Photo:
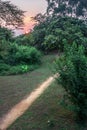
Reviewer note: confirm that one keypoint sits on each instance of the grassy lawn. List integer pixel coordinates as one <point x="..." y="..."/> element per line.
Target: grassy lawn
<point x="15" y="88"/>
<point x="47" y="114"/>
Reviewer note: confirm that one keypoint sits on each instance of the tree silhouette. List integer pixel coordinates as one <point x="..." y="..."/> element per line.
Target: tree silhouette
<point x="10" y="14"/>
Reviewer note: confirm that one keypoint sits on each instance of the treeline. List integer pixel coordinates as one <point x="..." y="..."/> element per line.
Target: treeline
<point x="51" y="35"/>
<point x="64" y="20"/>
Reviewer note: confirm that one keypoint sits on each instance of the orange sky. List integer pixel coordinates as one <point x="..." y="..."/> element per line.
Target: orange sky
<point x="28" y="23"/>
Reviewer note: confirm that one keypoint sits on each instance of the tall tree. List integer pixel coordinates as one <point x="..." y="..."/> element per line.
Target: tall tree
<point x="10" y="14"/>
<point x="73" y="8"/>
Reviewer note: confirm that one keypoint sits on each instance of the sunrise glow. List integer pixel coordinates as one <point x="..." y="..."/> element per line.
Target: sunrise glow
<point x="28" y="24"/>
<point x="26" y="32"/>
<point x="32" y="8"/>
<point x="27" y="19"/>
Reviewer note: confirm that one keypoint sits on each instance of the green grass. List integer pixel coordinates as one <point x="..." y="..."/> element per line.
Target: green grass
<point x="15" y="88"/>
<point x="47" y="114"/>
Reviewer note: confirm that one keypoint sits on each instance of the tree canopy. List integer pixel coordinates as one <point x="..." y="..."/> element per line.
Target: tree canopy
<point x="73" y="8"/>
<point x="51" y="35"/>
<point x="10" y="14"/>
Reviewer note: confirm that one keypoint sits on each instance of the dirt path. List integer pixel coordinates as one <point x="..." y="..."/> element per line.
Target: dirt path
<point x="21" y="107"/>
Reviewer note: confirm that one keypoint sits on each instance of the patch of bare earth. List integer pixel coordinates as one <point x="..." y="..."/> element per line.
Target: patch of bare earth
<point x="22" y="106"/>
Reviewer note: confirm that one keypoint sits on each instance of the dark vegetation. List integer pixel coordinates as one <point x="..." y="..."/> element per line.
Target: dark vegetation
<point x="72" y="67"/>
<point x="51" y="35"/>
<point x="16" y="59"/>
<point x="63" y="28"/>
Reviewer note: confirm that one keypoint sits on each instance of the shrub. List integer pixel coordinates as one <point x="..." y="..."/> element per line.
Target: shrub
<point x="28" y="55"/>
<point x="17" y="59"/>
<point x="19" y="54"/>
<point x="25" y="39"/>
<point x="19" y="69"/>
<point x="50" y="43"/>
<point x="72" y="67"/>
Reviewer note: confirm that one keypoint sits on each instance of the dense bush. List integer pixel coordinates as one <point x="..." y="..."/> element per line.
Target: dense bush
<point x="29" y="55"/>
<point x="18" y="58"/>
<point x="16" y="54"/>
<point x="72" y="67"/>
<point x="22" y="54"/>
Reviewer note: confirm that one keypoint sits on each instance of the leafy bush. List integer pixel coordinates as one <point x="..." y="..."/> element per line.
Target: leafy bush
<point x="28" y="55"/>
<point x="21" y="55"/>
<point x="19" y="69"/>
<point x="50" y="43"/>
<point x="18" y="58"/>
<point x="14" y="70"/>
<point x="72" y="67"/>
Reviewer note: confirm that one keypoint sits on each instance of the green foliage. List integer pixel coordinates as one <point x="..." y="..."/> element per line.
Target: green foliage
<point x="69" y="29"/>
<point x="19" y="69"/>
<point x="52" y="33"/>
<point x="39" y="34"/>
<point x="50" y="42"/>
<point x="21" y="55"/>
<point x="16" y="59"/>
<point x="28" y="55"/>
<point x="49" y="35"/>
<point x="6" y="69"/>
<point x="25" y="39"/>
<point x="72" y="67"/>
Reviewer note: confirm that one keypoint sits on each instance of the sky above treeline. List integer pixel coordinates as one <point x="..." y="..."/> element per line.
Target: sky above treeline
<point x="32" y="7"/>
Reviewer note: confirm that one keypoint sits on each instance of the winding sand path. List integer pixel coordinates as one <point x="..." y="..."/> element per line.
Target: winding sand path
<point x="22" y="106"/>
